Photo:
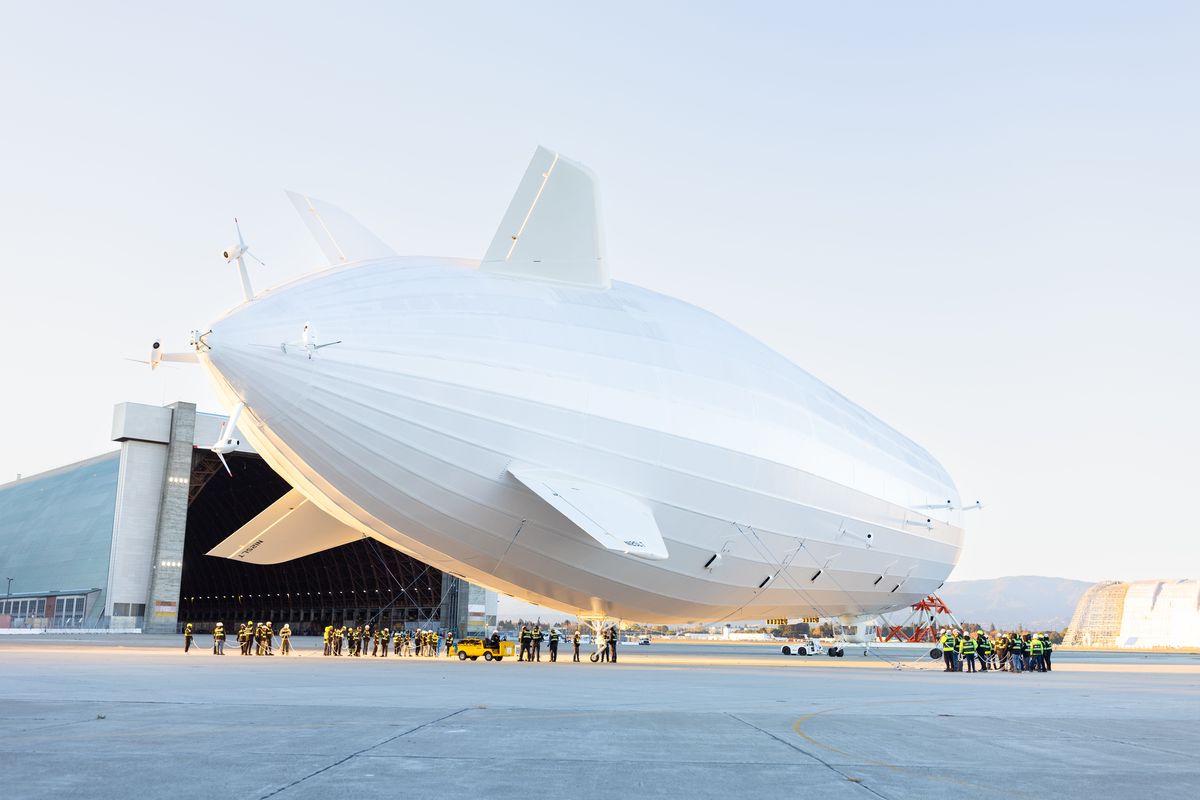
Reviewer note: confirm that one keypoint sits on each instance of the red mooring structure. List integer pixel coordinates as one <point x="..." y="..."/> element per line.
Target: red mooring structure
<point x="927" y="618"/>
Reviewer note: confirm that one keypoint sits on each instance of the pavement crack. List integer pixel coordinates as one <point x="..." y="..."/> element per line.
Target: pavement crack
<point x="814" y="756"/>
<point x="344" y="759"/>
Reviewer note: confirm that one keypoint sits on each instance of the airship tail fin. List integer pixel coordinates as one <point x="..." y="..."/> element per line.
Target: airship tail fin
<point x="291" y="527"/>
<point x="340" y="236"/>
<point x="552" y="230"/>
<point x="611" y="517"/>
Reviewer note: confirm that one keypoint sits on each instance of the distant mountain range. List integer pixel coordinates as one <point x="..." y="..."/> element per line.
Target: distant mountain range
<point x="1030" y="601"/>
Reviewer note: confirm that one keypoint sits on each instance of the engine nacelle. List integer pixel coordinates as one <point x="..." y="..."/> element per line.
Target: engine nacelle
<point x="231" y="254"/>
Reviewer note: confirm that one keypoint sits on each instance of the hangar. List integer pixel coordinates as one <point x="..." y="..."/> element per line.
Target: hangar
<point x="119" y="542"/>
<point x="1138" y="614"/>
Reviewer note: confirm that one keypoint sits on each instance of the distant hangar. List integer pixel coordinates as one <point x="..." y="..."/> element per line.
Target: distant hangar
<point x="1138" y="614"/>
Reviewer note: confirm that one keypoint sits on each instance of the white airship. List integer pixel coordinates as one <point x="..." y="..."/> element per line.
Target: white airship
<point x="535" y="427"/>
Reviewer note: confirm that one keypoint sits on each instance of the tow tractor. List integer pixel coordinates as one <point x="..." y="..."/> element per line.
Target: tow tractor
<point x="473" y="648"/>
<point x="808" y="646"/>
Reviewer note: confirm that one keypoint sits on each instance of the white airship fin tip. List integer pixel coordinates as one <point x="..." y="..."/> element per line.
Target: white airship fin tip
<point x="289" y="528"/>
<point x="611" y="517"/>
<point x="341" y="237"/>
<point x="552" y="230"/>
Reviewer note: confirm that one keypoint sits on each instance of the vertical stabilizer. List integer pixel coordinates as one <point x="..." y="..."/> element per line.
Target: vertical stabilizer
<point x="552" y="230"/>
<point x="340" y="236"/>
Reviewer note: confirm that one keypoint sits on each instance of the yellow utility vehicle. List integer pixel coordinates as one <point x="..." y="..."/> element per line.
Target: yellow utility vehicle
<point x="473" y="648"/>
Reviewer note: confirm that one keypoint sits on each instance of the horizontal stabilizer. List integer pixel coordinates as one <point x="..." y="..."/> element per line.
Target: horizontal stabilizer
<point x="611" y="517"/>
<point x="291" y="527"/>
<point x="552" y="230"/>
<point x="340" y="236"/>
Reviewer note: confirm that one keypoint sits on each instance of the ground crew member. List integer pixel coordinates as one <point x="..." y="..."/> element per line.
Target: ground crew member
<point x="433" y="641"/>
<point x="538" y="636"/>
<point x="219" y="639"/>
<point x="985" y="650"/>
<point x="1016" y="652"/>
<point x="949" y="645"/>
<point x="385" y="638"/>
<point x="242" y="638"/>
<point x="285" y="639"/>
<point x="1001" y="645"/>
<point x="1036" y="651"/>
<point x="526" y="644"/>
<point x="966" y="648"/>
<point x="449" y="642"/>
<point x="187" y="637"/>
<point x="1047" y="649"/>
<point x="575" y="644"/>
<point x="396" y="638"/>
<point x="339" y="634"/>
<point x="328" y="640"/>
<point x="553" y="645"/>
<point x="612" y="643"/>
<point x="366" y="638"/>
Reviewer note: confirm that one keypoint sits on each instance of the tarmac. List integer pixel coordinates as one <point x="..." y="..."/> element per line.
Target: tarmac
<point x="116" y="717"/>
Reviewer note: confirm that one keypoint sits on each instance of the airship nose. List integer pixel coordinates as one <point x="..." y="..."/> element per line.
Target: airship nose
<point x="248" y="352"/>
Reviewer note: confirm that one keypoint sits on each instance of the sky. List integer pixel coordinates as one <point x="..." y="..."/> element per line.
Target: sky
<point x="978" y="221"/>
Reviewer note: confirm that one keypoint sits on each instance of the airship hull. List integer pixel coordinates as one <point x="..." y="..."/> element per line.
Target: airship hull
<point x="438" y="383"/>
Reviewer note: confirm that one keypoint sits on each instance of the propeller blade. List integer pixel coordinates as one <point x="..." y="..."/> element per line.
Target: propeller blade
<point x="225" y="464"/>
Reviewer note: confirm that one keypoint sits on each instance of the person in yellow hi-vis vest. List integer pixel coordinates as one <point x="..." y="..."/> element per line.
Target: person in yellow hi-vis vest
<point x="967" y="646"/>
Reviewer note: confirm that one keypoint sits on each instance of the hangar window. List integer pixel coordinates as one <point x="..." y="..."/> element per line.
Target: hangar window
<point x="68" y="611"/>
<point x="129" y="609"/>
<point x="34" y="607"/>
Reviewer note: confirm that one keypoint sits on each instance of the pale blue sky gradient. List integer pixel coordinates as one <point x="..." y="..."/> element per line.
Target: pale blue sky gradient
<point x="980" y="223"/>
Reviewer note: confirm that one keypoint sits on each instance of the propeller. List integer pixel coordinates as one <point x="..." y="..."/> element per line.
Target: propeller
<point x="156" y="355"/>
<point x="237" y="254"/>
<point x="228" y="442"/>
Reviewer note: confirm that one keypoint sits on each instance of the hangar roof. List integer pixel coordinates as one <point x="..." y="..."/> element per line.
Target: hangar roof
<point x="56" y="527"/>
